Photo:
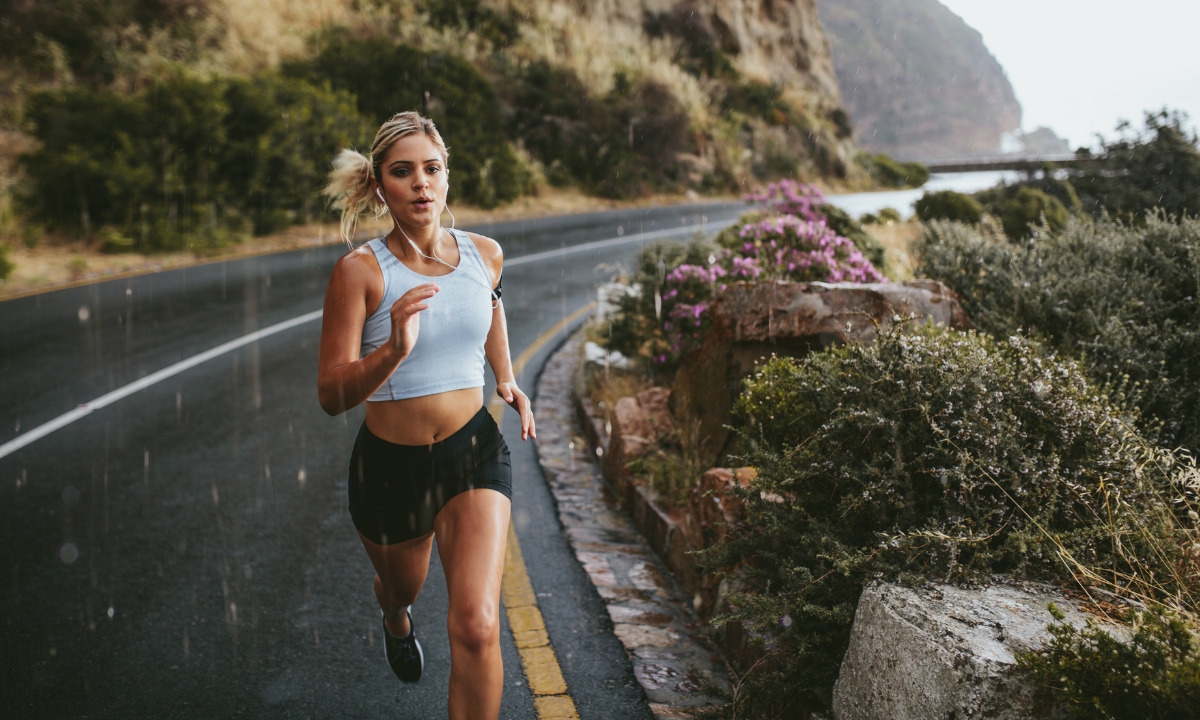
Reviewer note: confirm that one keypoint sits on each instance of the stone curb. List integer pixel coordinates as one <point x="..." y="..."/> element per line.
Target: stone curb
<point x="672" y="657"/>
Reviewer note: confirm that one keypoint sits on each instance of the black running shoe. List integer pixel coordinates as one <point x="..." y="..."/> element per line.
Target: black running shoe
<point x="404" y="654"/>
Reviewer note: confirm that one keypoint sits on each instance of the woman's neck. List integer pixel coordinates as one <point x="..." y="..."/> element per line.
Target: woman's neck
<point x="426" y="238"/>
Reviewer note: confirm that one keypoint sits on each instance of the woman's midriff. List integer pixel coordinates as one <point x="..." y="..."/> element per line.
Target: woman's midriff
<point x="423" y="420"/>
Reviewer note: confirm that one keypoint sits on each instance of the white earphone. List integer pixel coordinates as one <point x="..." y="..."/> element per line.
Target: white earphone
<point x="435" y="258"/>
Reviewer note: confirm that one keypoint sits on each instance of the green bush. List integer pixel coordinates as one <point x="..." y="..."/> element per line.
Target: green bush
<point x="638" y="329"/>
<point x="1154" y="675"/>
<point x="949" y="205"/>
<point x="387" y="78"/>
<point x="1158" y="167"/>
<point x="6" y="266"/>
<point x="500" y="27"/>
<point x="622" y="145"/>
<point x="1123" y="297"/>
<point x="1018" y="207"/>
<point x="85" y="34"/>
<point x="890" y="215"/>
<point x="891" y="173"/>
<point x="931" y="454"/>
<point x="186" y="163"/>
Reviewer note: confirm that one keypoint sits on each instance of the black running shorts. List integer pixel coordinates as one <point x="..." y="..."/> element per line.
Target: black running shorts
<point x="397" y="490"/>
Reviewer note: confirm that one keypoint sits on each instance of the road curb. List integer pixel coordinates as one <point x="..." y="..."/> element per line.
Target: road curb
<point x="673" y="659"/>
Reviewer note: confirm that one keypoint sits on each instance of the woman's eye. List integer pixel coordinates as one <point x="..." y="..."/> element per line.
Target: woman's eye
<point x="433" y="169"/>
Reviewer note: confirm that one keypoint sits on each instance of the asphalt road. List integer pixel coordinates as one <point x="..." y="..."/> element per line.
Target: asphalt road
<point x="186" y="551"/>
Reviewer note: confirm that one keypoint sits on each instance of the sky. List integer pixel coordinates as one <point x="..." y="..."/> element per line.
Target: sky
<point x="1080" y="66"/>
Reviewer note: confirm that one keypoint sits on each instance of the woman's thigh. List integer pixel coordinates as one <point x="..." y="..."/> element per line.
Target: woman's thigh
<point x="401" y="567"/>
<point x="472" y="533"/>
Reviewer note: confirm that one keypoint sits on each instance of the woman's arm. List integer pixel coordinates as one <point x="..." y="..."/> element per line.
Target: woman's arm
<point x="496" y="346"/>
<point x="343" y="379"/>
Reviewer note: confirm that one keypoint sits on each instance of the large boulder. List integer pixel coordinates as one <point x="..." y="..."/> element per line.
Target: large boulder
<point x="752" y="321"/>
<point x="946" y="652"/>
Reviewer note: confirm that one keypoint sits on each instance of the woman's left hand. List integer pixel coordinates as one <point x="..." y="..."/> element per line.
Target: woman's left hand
<point x="511" y="394"/>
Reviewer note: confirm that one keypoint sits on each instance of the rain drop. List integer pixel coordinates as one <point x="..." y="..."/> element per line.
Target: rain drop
<point x="301" y="476"/>
<point x="786" y="621"/>
<point x="84" y="313"/>
<point x="70" y="495"/>
<point x="620" y="230"/>
<point x="69" y="554"/>
<point x="111" y="613"/>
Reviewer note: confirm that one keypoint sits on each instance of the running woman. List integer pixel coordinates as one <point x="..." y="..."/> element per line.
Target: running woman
<point x="409" y="320"/>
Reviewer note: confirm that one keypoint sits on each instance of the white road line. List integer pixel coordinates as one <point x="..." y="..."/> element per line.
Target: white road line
<point x="596" y="245"/>
<point x="87" y="408"/>
<point x="125" y="391"/>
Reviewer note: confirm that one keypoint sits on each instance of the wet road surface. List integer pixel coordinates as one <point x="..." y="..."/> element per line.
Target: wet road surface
<point x="186" y="551"/>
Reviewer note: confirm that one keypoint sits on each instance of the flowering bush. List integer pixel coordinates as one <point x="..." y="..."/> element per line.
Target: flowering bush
<point x="688" y="291"/>
<point x="791" y="248"/>
<point x="788" y="197"/>
<point x="793" y="241"/>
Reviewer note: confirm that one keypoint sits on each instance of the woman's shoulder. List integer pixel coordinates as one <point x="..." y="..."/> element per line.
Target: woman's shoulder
<point x="490" y="251"/>
<point x="358" y="266"/>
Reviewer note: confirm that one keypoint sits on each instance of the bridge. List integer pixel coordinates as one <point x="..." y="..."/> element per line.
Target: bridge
<point x="1009" y="162"/>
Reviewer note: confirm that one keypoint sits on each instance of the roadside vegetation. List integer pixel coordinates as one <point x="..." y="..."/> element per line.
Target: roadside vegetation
<point x="1054" y="442"/>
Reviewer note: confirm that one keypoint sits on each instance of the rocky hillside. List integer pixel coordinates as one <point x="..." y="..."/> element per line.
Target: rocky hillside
<point x="616" y="97"/>
<point x="917" y="80"/>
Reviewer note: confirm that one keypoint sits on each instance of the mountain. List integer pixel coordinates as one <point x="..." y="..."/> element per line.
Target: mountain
<point x="917" y="81"/>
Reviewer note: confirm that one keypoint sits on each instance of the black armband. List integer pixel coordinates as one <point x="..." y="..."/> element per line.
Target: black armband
<point x="498" y="290"/>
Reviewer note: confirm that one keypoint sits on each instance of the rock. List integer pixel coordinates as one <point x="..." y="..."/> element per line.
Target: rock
<point x="946" y="652"/>
<point x="637" y="424"/>
<point x="752" y="321"/>
<point x="711" y="509"/>
<point x="608" y="299"/>
<point x="600" y="359"/>
<point x="923" y="108"/>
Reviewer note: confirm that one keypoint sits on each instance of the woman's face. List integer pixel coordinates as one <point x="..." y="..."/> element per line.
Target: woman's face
<point x="415" y="181"/>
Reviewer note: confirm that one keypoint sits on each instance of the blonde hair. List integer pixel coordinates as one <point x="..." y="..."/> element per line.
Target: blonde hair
<point x="349" y="187"/>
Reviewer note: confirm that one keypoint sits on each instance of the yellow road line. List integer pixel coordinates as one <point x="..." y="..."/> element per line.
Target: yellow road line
<point x="550" y="696"/>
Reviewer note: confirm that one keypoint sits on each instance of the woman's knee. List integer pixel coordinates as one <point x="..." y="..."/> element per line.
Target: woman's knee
<point x="474" y="629"/>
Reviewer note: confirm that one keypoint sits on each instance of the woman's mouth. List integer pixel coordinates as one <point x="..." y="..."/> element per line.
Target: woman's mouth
<point x="423" y="204"/>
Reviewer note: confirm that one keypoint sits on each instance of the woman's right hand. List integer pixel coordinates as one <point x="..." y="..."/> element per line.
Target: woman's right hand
<point x="406" y="320"/>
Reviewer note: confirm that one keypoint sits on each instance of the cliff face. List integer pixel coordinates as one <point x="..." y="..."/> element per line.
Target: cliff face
<point x="731" y="63"/>
<point x="917" y="80"/>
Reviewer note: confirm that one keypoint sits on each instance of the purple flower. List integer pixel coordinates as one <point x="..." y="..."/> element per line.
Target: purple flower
<point x="790" y="198"/>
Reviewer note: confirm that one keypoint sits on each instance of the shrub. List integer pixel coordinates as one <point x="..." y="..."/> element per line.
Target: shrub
<point x="1153" y="675"/>
<point x="621" y="145"/>
<point x="789" y="248"/>
<point x="1018" y="207"/>
<point x="841" y="223"/>
<point x="667" y="318"/>
<point x="890" y="173"/>
<point x="187" y="163"/>
<point x="949" y="205"/>
<point x="1121" y="296"/>
<point x="6" y="266"/>
<point x="1158" y="167"/>
<point x="644" y="326"/>
<point x="788" y="197"/>
<point x="931" y="454"/>
<point x="87" y="32"/>
<point x="499" y="27"/>
<point x="387" y="78"/>
<point x="890" y="215"/>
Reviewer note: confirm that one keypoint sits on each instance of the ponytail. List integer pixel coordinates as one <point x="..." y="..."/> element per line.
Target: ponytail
<point x="349" y="190"/>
